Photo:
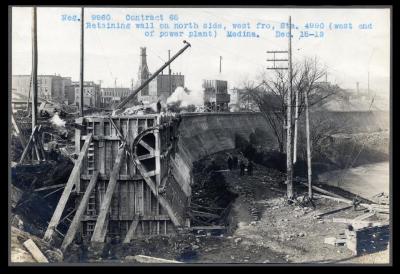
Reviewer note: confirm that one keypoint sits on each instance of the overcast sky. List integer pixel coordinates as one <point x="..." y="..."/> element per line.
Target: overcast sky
<point x="111" y="54"/>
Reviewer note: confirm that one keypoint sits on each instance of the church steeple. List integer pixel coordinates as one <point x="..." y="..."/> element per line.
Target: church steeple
<point x="143" y="73"/>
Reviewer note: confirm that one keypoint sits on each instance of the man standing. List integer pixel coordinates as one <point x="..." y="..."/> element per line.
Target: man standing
<point x="242" y="167"/>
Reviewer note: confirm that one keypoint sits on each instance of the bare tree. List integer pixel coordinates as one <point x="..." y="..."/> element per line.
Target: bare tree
<point x="270" y="94"/>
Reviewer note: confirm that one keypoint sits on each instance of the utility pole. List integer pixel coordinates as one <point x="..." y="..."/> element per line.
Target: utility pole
<point x="169" y="73"/>
<point x="289" y="181"/>
<point x="82" y="58"/>
<point x="309" y="174"/>
<point x="34" y="69"/>
<point x="289" y="160"/>
<point x="220" y="64"/>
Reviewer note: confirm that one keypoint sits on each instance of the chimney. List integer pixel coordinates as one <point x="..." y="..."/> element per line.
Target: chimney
<point x="358" y="89"/>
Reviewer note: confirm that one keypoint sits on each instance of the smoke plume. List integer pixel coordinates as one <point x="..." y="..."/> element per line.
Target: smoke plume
<point x="57" y="121"/>
<point x="186" y="97"/>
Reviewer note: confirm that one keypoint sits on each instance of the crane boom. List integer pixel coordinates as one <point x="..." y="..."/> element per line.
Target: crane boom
<point x="145" y="83"/>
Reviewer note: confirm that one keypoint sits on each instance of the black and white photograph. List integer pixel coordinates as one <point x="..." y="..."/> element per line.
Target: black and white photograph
<point x="200" y="135"/>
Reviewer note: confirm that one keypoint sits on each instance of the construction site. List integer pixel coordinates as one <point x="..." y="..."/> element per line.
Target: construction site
<point x="146" y="182"/>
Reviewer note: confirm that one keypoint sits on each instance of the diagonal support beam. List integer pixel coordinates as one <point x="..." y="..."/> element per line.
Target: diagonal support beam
<point x="164" y="203"/>
<point x="146" y="156"/>
<point x="30" y="141"/>
<point x="69" y="237"/>
<point x="131" y="231"/>
<point x="67" y="191"/>
<point x="146" y="146"/>
<point x="99" y="229"/>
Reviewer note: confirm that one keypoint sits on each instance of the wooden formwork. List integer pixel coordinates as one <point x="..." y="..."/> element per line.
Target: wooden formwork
<point x="146" y="199"/>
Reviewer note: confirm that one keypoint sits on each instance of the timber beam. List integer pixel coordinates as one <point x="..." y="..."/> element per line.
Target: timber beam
<point x="99" y="232"/>
<point x="67" y="191"/>
<point x="69" y="237"/>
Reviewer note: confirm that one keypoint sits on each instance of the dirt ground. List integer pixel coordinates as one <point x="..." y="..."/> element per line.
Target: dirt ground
<point x="264" y="229"/>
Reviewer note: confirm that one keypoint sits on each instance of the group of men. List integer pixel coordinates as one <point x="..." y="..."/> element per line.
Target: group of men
<point x="234" y="162"/>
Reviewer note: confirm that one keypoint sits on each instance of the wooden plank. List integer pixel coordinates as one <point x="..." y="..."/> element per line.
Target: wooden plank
<point x="364" y="216"/>
<point x="35" y="251"/>
<point x="28" y="145"/>
<point x="146" y="156"/>
<point x="131" y="231"/>
<point x="204" y="214"/>
<point x="69" y="237"/>
<point x="20" y="136"/>
<point x="48" y="187"/>
<point x="355" y="222"/>
<point x="98" y="233"/>
<point x="211" y="227"/>
<point x="67" y="191"/>
<point x="323" y="191"/>
<point x="146" y="146"/>
<point x="334" y="211"/>
<point x="151" y="260"/>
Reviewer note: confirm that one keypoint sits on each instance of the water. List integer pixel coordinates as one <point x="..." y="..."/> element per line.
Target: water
<point x="365" y="181"/>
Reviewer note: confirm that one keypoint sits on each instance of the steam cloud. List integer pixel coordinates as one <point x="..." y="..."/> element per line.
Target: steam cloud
<point x="57" y="121"/>
<point x="186" y="97"/>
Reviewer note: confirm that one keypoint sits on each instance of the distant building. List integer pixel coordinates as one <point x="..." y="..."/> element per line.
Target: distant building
<point x="161" y="87"/>
<point x="113" y="95"/>
<point x="50" y="87"/>
<point x="91" y="94"/>
<point x="216" y="97"/>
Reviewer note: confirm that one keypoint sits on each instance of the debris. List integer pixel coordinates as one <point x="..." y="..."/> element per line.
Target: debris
<point x="334" y="241"/>
<point x="35" y="251"/>
<point x="238" y="240"/>
<point x="148" y="259"/>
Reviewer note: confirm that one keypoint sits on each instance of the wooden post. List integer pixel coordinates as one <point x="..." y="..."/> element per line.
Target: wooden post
<point x="296" y="117"/>
<point x="99" y="229"/>
<point x="169" y="73"/>
<point x="82" y="59"/>
<point x="69" y="237"/>
<point x="67" y="191"/>
<point x="289" y="169"/>
<point x="308" y="148"/>
<point x="34" y="69"/>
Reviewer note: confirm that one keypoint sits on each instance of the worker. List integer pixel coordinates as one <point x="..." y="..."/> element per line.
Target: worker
<point x="242" y="167"/>
<point x="230" y="162"/>
<point x="250" y="168"/>
<point x="158" y="106"/>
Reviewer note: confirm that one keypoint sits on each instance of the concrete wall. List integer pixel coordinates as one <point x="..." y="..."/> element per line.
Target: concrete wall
<point x="202" y="134"/>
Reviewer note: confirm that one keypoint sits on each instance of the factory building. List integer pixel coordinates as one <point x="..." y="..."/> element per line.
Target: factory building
<point x="216" y="97"/>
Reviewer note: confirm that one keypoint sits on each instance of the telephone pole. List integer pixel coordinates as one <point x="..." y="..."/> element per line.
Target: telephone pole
<point x="289" y="162"/>
<point x="289" y="139"/>
<point x="34" y="69"/>
<point x="220" y="64"/>
<point x="82" y="57"/>
<point x="169" y="73"/>
<point x="309" y="174"/>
